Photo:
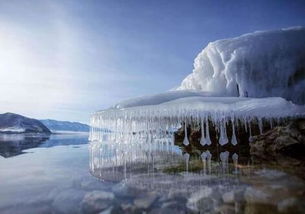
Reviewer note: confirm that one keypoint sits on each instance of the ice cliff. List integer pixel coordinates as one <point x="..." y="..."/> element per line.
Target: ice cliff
<point x="259" y="64"/>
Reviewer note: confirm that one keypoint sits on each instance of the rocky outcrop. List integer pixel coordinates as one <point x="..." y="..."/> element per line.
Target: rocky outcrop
<point x="281" y="141"/>
<point x="283" y="145"/>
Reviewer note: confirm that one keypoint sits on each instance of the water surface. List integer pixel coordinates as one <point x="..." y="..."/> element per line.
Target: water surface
<point x="65" y="174"/>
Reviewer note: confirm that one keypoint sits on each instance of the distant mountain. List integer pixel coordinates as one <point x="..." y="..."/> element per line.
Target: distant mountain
<point x="65" y="126"/>
<point x="15" y="123"/>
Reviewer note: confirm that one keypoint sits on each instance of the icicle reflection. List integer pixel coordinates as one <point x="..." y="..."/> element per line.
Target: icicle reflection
<point x="116" y="161"/>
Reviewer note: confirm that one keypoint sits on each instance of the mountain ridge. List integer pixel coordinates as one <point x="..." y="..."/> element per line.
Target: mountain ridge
<point x="65" y="126"/>
<point x="12" y="123"/>
<point x="16" y="123"/>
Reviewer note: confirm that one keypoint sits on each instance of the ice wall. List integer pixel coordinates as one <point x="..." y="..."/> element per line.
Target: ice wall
<point x="259" y="64"/>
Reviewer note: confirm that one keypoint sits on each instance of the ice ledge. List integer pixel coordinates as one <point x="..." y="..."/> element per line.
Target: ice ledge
<point x="194" y="103"/>
<point x="158" y="116"/>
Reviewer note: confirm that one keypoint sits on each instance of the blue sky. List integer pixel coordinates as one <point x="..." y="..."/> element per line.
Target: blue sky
<point x="65" y="59"/>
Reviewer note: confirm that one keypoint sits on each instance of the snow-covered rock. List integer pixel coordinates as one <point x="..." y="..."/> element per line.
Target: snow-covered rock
<point x="259" y="64"/>
<point x="14" y="123"/>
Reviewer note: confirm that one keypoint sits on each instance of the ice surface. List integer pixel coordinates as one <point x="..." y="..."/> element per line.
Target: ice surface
<point x="162" y="98"/>
<point x="259" y="64"/>
<point x="160" y="119"/>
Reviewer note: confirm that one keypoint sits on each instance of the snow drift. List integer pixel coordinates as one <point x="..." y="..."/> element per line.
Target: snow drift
<point x="259" y="64"/>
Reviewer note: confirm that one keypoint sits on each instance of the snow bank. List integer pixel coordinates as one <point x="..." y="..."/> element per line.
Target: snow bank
<point x="259" y="64"/>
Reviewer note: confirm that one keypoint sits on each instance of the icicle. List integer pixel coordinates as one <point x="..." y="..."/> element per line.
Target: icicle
<point x="203" y="141"/>
<point x="260" y="125"/>
<point x="246" y="124"/>
<point x="278" y="121"/>
<point x="185" y="140"/>
<point x="271" y="123"/>
<point x="223" y="139"/>
<point x="233" y="140"/>
<point x="207" y="132"/>
<point x="250" y="130"/>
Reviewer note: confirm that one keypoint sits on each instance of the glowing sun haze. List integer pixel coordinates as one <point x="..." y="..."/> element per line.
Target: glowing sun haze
<point x="67" y="59"/>
<point x="36" y="60"/>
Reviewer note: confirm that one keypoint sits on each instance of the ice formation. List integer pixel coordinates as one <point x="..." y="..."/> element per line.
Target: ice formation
<point x="259" y="64"/>
<point x="236" y="82"/>
<point x="205" y="134"/>
<point x="161" y="119"/>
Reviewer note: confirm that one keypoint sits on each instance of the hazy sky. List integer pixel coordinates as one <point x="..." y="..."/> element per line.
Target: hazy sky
<point x="66" y="59"/>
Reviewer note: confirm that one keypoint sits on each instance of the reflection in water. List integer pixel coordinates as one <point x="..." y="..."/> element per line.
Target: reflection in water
<point x="14" y="144"/>
<point x="216" y="181"/>
<point x="118" y="161"/>
<point x="110" y="161"/>
<point x="235" y="161"/>
<point x="206" y="157"/>
<point x="135" y="177"/>
<point x="66" y="139"/>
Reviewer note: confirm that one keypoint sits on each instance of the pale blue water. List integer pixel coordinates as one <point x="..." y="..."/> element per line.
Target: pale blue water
<point x="50" y="178"/>
<point x="64" y="174"/>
